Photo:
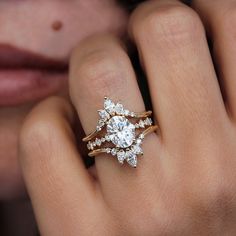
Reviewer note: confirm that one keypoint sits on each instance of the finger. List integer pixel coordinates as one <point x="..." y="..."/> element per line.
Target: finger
<point x="100" y="67"/>
<point x="219" y="19"/>
<point x="183" y="85"/>
<point x="56" y="178"/>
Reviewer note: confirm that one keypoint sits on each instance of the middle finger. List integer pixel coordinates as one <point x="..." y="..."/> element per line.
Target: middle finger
<point x="183" y="84"/>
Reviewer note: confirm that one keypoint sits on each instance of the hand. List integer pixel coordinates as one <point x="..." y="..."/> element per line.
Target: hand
<point x="185" y="183"/>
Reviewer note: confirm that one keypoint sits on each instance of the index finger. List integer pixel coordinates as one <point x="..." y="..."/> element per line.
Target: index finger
<point x="59" y="185"/>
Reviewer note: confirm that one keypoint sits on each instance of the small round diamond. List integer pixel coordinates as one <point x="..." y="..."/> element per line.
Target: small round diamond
<point x="141" y="136"/>
<point x="107" y="137"/>
<point x="90" y="146"/>
<point x="98" y="142"/>
<point x="108" y="150"/>
<point x="141" y="123"/>
<point x="113" y="151"/>
<point x="98" y="128"/>
<point x="121" y="131"/>
<point x="139" y="141"/>
<point x="101" y="123"/>
<point x="132" y="114"/>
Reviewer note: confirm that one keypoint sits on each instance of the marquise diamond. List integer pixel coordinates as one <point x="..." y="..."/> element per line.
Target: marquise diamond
<point x="109" y="106"/>
<point x="119" y="109"/>
<point x="103" y="114"/>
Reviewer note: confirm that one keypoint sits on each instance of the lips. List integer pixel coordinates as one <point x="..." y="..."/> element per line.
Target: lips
<point x="26" y="77"/>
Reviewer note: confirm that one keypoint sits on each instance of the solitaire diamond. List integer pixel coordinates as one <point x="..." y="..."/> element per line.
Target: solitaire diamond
<point x="122" y="132"/>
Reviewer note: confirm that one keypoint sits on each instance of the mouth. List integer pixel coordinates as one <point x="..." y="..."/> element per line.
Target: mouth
<point x="27" y="77"/>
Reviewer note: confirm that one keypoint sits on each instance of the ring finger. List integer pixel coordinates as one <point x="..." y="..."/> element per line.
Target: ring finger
<point x="100" y="67"/>
<point x="219" y="20"/>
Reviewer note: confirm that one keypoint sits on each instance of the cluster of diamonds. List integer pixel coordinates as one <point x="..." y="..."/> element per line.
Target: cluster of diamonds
<point x="129" y="154"/>
<point x="111" y="109"/>
<point x="99" y="141"/>
<point x="120" y="131"/>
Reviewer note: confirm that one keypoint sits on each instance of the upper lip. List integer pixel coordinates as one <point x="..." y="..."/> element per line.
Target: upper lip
<point x="12" y="57"/>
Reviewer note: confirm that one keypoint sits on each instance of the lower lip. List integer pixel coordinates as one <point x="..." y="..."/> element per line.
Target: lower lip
<point x="19" y="86"/>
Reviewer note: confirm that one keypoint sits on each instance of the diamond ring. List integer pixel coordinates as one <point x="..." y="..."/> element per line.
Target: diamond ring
<point x="120" y="132"/>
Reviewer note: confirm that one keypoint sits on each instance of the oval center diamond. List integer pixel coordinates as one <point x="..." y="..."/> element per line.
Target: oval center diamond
<point x="121" y="131"/>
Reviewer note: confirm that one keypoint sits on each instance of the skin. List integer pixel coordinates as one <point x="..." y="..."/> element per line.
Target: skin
<point x="38" y="35"/>
<point x="185" y="183"/>
<point x="39" y="41"/>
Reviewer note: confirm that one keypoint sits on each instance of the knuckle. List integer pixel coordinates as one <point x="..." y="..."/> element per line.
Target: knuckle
<point x="223" y="201"/>
<point x="178" y="24"/>
<point x="34" y="135"/>
<point x="156" y="215"/>
<point x="146" y="221"/>
<point x="102" y="71"/>
<point x="216" y="203"/>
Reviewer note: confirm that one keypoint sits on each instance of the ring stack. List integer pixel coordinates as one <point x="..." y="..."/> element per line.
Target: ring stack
<point x="119" y="132"/>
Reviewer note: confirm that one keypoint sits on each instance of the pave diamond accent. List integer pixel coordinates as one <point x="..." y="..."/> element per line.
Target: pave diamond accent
<point x="126" y="112"/>
<point x="98" y="142"/>
<point x="113" y="151"/>
<point x="143" y="123"/>
<point x="122" y="132"/>
<point x="90" y="146"/>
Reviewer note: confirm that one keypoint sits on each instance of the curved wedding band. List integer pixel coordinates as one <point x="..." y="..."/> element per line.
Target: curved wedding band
<point x="115" y="127"/>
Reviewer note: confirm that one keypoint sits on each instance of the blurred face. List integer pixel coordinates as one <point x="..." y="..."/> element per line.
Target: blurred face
<point x="36" y="38"/>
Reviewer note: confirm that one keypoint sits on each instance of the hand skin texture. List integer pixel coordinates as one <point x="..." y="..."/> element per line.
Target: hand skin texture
<point x="185" y="183"/>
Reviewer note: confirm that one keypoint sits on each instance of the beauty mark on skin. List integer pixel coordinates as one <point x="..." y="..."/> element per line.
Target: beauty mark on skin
<point x="57" y="25"/>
